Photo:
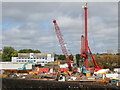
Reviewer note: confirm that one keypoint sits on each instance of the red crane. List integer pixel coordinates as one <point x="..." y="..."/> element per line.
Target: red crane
<point x="63" y="47"/>
<point x="83" y="54"/>
<point x="84" y="44"/>
<point x="86" y="41"/>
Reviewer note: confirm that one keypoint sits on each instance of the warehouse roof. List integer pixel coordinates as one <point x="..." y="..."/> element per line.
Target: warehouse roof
<point x="35" y="54"/>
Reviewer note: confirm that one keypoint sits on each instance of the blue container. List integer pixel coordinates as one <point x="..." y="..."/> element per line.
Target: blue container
<point x="99" y="75"/>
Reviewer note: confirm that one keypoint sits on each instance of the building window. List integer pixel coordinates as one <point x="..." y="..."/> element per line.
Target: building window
<point x="43" y="58"/>
<point x="34" y="60"/>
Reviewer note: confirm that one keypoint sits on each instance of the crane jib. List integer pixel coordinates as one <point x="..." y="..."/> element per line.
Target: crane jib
<point x="61" y="41"/>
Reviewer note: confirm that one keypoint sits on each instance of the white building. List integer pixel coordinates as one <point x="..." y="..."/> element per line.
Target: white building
<point x="37" y="58"/>
<point x="13" y="65"/>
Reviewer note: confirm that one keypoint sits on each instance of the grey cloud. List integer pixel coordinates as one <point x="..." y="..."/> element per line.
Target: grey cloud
<point x="35" y="32"/>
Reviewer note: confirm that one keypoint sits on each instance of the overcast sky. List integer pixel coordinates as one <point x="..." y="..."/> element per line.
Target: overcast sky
<point x="29" y="25"/>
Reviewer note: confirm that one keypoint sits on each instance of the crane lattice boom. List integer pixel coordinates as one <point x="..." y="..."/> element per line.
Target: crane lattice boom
<point x="61" y="41"/>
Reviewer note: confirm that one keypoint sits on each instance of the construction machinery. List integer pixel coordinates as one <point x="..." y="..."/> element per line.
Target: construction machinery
<point x="83" y="54"/>
<point x="84" y="45"/>
<point x="24" y="66"/>
<point x="34" y="72"/>
<point x="62" y="44"/>
<point x="67" y="73"/>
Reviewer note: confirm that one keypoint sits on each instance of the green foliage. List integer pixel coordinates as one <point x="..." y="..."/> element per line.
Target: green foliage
<point x="107" y="61"/>
<point x="77" y="56"/>
<point x="0" y="58"/>
<point x="71" y="57"/>
<point x="14" y="54"/>
<point x="117" y="53"/>
<point x="37" y="51"/>
<point x="7" y="53"/>
<point x="61" y="57"/>
<point x="28" y="51"/>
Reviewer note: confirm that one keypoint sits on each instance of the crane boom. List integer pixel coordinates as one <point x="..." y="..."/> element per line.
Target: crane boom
<point x="84" y="44"/>
<point x="63" y="47"/>
<point x="86" y="41"/>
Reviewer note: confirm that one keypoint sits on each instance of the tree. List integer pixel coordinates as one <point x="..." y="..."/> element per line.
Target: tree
<point x="117" y="53"/>
<point x="14" y="54"/>
<point x="29" y="51"/>
<point x="107" y="60"/>
<point x="97" y="54"/>
<point x="71" y="57"/>
<point x="0" y="58"/>
<point x="61" y="57"/>
<point x="77" y="56"/>
<point x="37" y="51"/>
<point x="25" y="51"/>
<point x="7" y="53"/>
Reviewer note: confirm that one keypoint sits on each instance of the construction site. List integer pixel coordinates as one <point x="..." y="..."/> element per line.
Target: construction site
<point x="41" y="71"/>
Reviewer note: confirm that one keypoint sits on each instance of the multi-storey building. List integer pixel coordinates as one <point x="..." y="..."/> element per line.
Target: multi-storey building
<point x="37" y="58"/>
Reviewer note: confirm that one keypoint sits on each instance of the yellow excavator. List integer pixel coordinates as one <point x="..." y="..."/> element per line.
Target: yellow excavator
<point x="34" y="72"/>
<point x="67" y="73"/>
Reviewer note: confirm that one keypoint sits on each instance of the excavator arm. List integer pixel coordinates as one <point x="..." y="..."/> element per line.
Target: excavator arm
<point x="24" y="66"/>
